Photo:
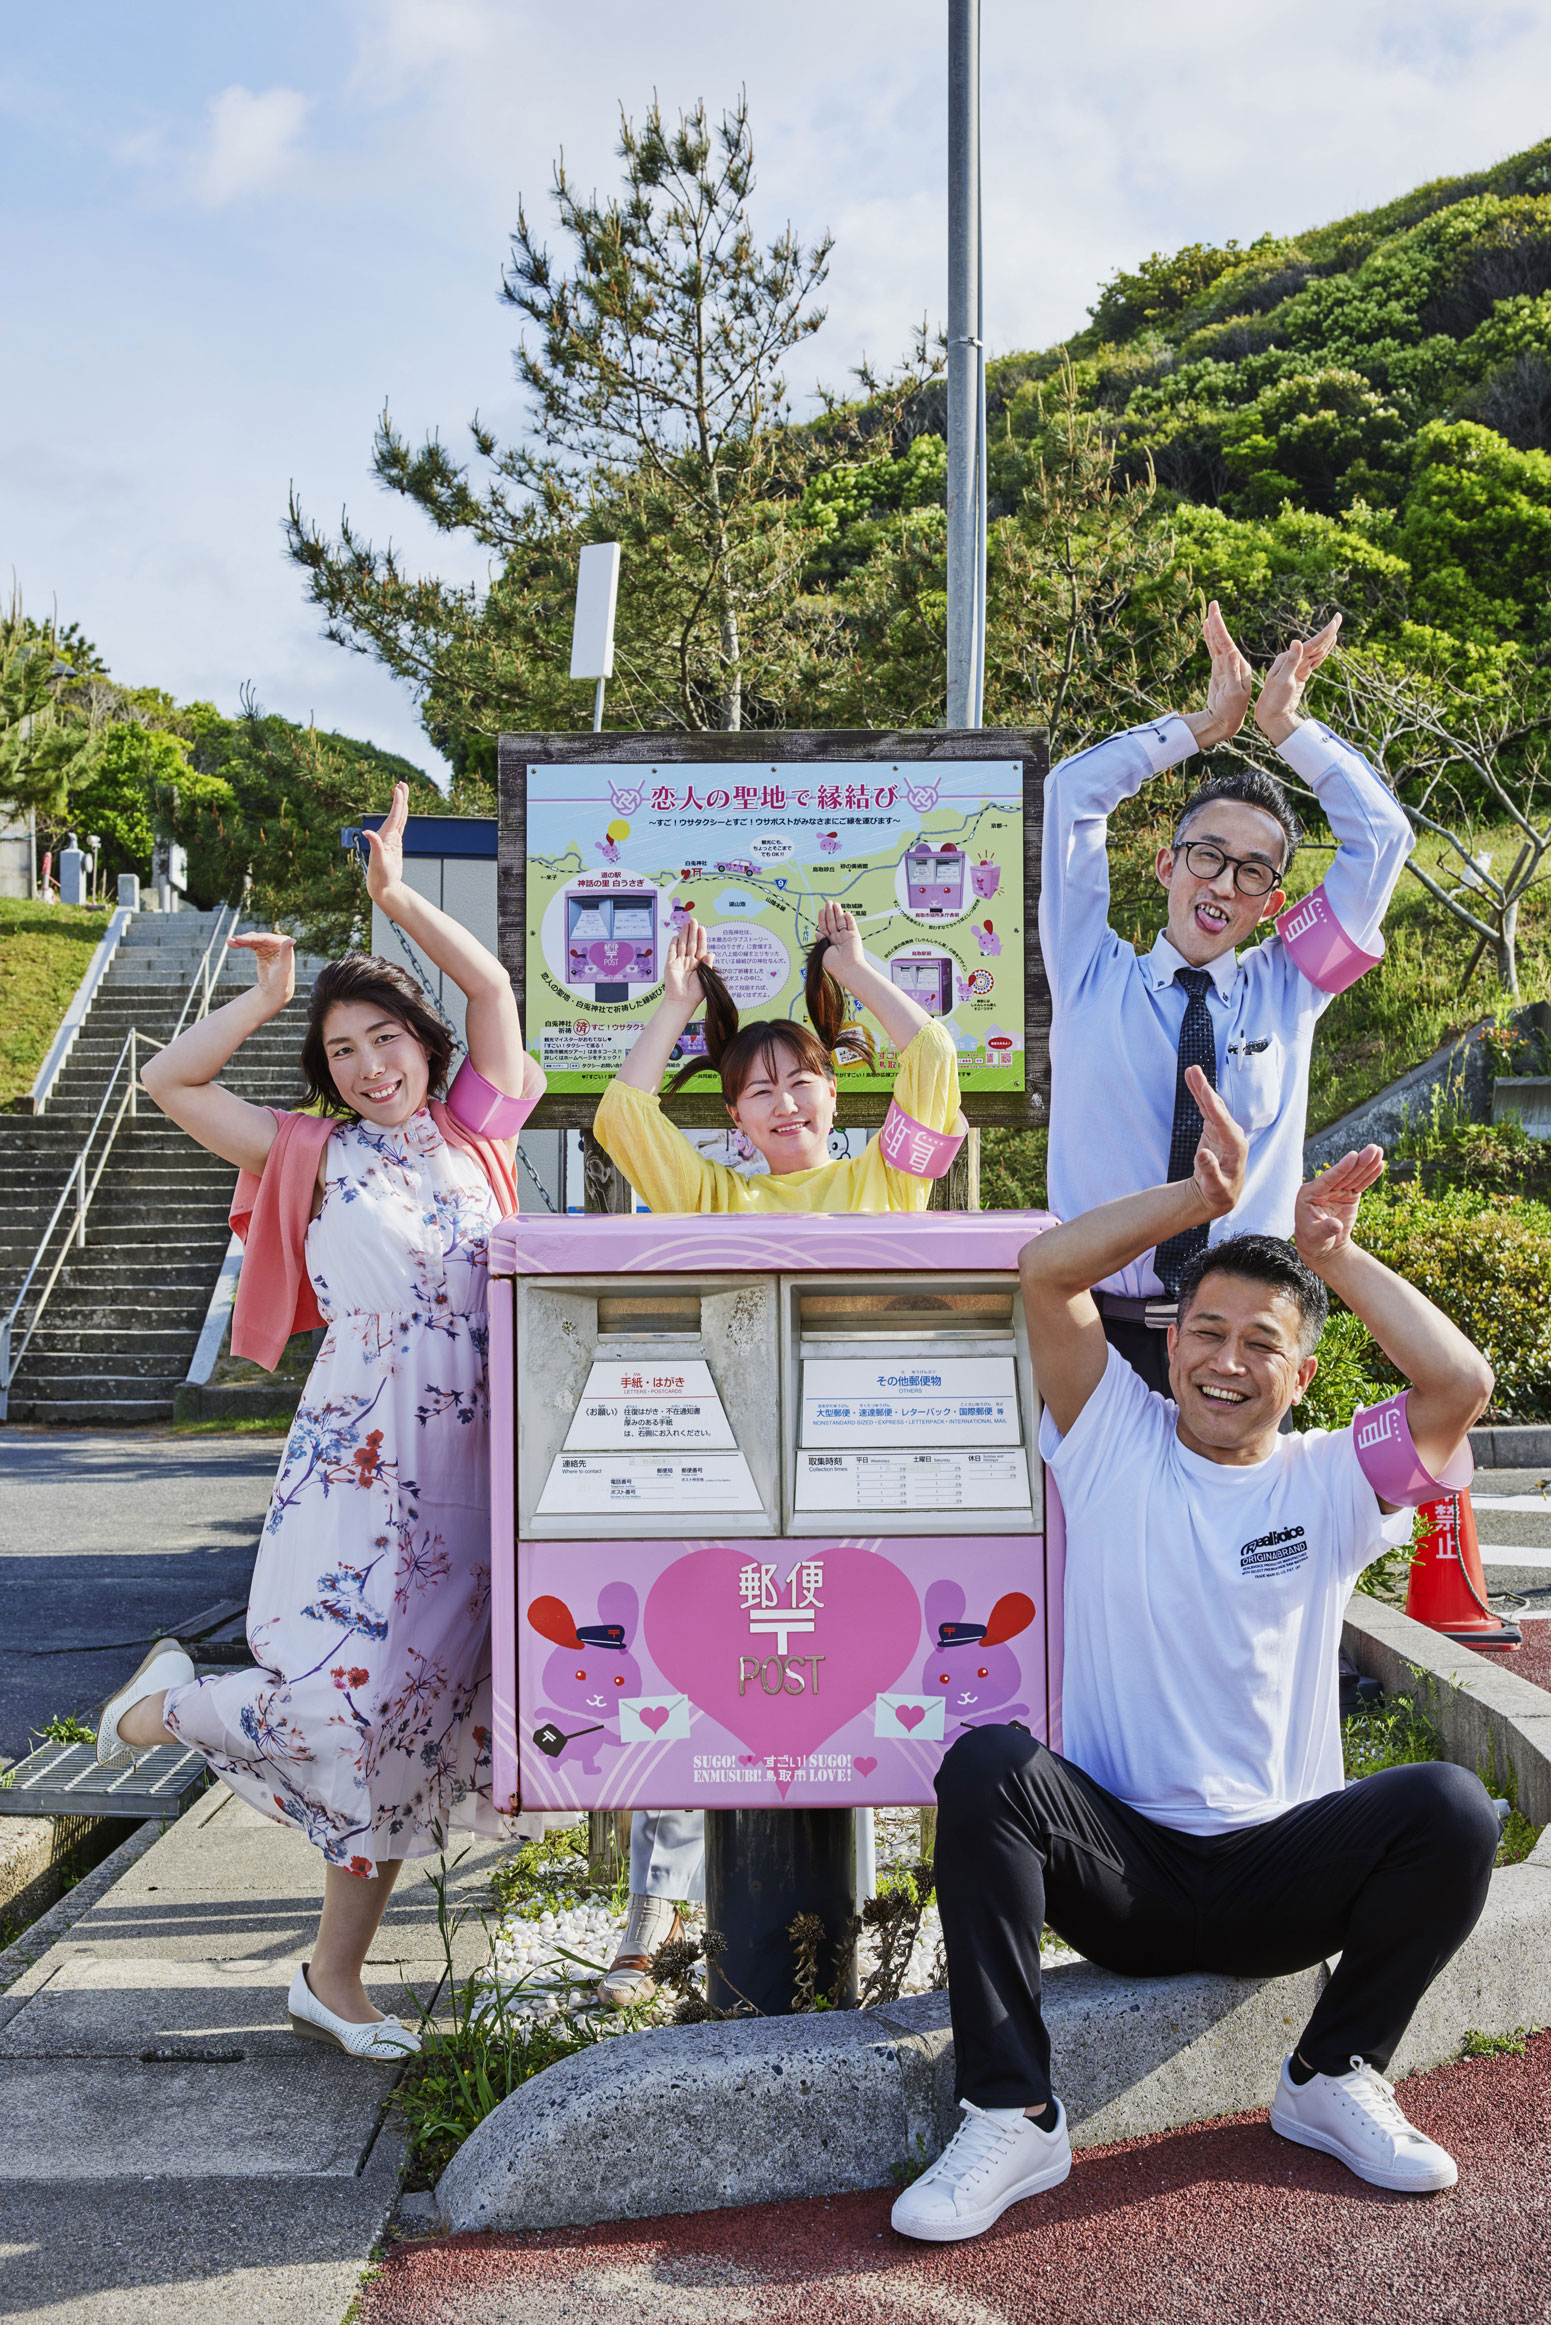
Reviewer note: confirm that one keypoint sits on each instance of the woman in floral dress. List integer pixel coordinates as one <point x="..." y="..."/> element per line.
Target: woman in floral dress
<point x="366" y="1721"/>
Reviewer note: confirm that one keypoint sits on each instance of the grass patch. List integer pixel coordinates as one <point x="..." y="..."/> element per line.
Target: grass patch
<point x="64" y="1728"/>
<point x="1477" y="2045"/>
<point x="1393" y="1733"/>
<point x="486" y="2045"/>
<point x="44" y="953"/>
<point x="251" y="1425"/>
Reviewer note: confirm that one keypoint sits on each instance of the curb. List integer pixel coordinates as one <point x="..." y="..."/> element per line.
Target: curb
<point x="1485" y="1710"/>
<point x="1512" y="1446"/>
<point x="50" y="1927"/>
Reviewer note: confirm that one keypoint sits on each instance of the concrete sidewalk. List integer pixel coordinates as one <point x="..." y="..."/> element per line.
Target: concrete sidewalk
<point x="168" y="2149"/>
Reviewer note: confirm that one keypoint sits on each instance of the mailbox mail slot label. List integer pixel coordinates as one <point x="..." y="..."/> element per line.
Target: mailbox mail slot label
<point x="992" y="1480"/>
<point x="584" y="1482"/>
<point x="887" y="1401"/>
<point x="673" y="1403"/>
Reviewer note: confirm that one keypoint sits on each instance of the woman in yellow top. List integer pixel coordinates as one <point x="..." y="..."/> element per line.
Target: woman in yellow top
<point x="778" y="1081"/>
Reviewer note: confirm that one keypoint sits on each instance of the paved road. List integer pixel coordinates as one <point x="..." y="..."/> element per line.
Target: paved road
<point x="105" y="1537"/>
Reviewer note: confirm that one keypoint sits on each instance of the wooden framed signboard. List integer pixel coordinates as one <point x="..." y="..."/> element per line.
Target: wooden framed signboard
<point x="608" y="841"/>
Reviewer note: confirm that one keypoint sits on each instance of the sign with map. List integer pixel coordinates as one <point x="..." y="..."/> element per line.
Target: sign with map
<point x="929" y="855"/>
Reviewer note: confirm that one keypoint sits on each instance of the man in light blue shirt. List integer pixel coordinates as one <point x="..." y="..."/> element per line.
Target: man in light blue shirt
<point x="1127" y="1026"/>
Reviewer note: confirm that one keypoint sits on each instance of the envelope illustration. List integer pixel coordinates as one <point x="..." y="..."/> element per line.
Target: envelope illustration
<point x="654" y="1719"/>
<point x="909" y="1719"/>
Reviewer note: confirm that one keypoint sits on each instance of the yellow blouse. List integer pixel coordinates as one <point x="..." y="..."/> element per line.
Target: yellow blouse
<point x="669" y="1175"/>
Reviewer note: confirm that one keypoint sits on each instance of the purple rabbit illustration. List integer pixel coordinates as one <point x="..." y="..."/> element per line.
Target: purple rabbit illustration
<point x="588" y="1675"/>
<point x="971" y="1666"/>
<point x="987" y="938"/>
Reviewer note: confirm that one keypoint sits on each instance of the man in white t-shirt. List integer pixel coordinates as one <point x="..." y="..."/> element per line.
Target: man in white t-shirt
<point x="1198" y="1818"/>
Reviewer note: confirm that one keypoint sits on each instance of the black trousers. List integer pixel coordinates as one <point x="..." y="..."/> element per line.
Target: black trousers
<point x="1391" y="1874"/>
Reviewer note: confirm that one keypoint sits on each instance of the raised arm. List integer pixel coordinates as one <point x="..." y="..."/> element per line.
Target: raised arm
<point x="1451" y="1381"/>
<point x="493" y="1027"/>
<point x="651" y="1053"/>
<point x="1059" y="1268"/>
<point x="181" y="1077"/>
<point x="1372" y="834"/>
<point x="1082" y="793"/>
<point x="900" y="1017"/>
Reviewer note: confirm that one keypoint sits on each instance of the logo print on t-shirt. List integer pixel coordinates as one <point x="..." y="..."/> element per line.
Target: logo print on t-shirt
<point x="1276" y="1553"/>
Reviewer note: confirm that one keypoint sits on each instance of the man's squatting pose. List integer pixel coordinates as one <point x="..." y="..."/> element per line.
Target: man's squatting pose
<point x="1126" y="1027"/>
<point x="1198" y="1818"/>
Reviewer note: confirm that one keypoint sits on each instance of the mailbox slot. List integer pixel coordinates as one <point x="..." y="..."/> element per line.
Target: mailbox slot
<point x="646" y="1406"/>
<point x="907" y="1404"/>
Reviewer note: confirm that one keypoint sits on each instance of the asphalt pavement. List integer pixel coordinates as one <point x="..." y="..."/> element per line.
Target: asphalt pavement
<point x="106" y="1538"/>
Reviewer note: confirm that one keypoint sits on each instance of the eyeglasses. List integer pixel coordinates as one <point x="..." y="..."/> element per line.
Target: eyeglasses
<point x="1251" y="877"/>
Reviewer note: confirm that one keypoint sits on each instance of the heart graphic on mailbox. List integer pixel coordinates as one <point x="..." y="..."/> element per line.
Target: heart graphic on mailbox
<point x="784" y="1651"/>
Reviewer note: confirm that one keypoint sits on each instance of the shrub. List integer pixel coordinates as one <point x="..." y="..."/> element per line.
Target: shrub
<point x="1487" y="1264"/>
<point x="1012" y="1170"/>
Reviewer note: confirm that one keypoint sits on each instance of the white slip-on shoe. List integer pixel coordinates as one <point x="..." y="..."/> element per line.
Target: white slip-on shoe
<point x="1356" y="2118"/>
<point x="995" y="2158"/>
<point x="386" y="2040"/>
<point x="165" y="1665"/>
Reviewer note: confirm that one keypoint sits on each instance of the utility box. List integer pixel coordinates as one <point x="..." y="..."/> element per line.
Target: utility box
<point x="769" y="1522"/>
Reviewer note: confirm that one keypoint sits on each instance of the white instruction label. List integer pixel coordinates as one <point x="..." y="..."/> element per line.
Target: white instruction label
<point x="588" y="1482"/>
<point x="912" y="1481"/>
<point x="650" y="1404"/>
<point x="936" y="1400"/>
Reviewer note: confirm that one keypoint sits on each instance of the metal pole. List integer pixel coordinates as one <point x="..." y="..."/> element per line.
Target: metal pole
<point x="597" y="707"/>
<point x="966" y="386"/>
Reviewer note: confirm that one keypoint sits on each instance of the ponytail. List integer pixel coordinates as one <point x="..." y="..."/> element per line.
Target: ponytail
<point x="732" y="1051"/>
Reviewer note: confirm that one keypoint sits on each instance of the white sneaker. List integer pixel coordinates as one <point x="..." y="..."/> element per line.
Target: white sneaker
<point x="386" y="2039"/>
<point x="1356" y="2118"/>
<point x="164" y="1665"/>
<point x="995" y="2158"/>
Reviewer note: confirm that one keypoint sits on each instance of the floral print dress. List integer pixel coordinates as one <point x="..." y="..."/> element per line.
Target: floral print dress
<point x="367" y="1721"/>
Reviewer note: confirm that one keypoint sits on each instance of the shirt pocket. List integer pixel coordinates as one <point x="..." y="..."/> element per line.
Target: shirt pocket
<point x="1253" y="1081"/>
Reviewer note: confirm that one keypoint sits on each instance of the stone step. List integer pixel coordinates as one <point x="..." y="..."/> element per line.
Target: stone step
<point x="148" y="1354"/>
<point x="106" y="1412"/>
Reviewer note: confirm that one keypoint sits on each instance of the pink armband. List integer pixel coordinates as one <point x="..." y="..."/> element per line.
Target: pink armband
<point x="1381" y="1437"/>
<point x="1319" y="946"/>
<point x="909" y="1146"/>
<point x="478" y="1106"/>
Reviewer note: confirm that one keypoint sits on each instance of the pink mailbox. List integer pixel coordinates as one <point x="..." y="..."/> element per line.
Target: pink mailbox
<point x="768" y="1522"/>
<point x="934" y="879"/>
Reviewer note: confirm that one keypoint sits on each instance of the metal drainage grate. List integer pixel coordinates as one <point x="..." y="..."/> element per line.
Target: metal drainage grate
<point x="65" y="1780"/>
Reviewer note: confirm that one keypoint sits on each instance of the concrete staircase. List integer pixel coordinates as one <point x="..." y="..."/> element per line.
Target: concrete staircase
<point x="122" y="1325"/>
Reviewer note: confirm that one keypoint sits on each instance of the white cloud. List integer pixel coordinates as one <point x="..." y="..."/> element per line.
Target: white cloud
<point x="250" y="143"/>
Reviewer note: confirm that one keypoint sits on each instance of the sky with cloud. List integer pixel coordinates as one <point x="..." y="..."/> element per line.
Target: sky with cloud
<point x="236" y="233"/>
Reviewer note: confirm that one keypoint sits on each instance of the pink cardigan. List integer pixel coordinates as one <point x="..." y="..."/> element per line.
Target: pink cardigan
<point x="271" y="1213"/>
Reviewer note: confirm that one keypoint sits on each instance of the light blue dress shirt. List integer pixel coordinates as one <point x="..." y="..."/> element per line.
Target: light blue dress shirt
<point x="1116" y="1014"/>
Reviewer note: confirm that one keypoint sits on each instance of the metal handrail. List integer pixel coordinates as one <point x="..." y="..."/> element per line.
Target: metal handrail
<point x="205" y="976"/>
<point x="10" y="1359"/>
<point x="200" y="983"/>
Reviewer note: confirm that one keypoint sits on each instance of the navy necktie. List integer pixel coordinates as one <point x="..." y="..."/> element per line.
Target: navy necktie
<point x="1197" y="1047"/>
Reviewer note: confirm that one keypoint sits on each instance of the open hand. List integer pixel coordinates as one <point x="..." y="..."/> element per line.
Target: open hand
<point x="385" y="851"/>
<point x="1218" y="1176"/>
<point x="845" y="954"/>
<point x="1326" y="1208"/>
<point x="274" y="957"/>
<point x="1229" y="687"/>
<point x="1281" y="690"/>
<point x="687" y="948"/>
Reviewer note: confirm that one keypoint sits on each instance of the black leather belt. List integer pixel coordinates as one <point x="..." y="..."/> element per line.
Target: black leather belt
<point x="1157" y="1314"/>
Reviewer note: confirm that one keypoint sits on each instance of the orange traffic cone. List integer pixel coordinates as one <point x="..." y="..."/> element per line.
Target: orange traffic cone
<point x="1447" y="1590"/>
